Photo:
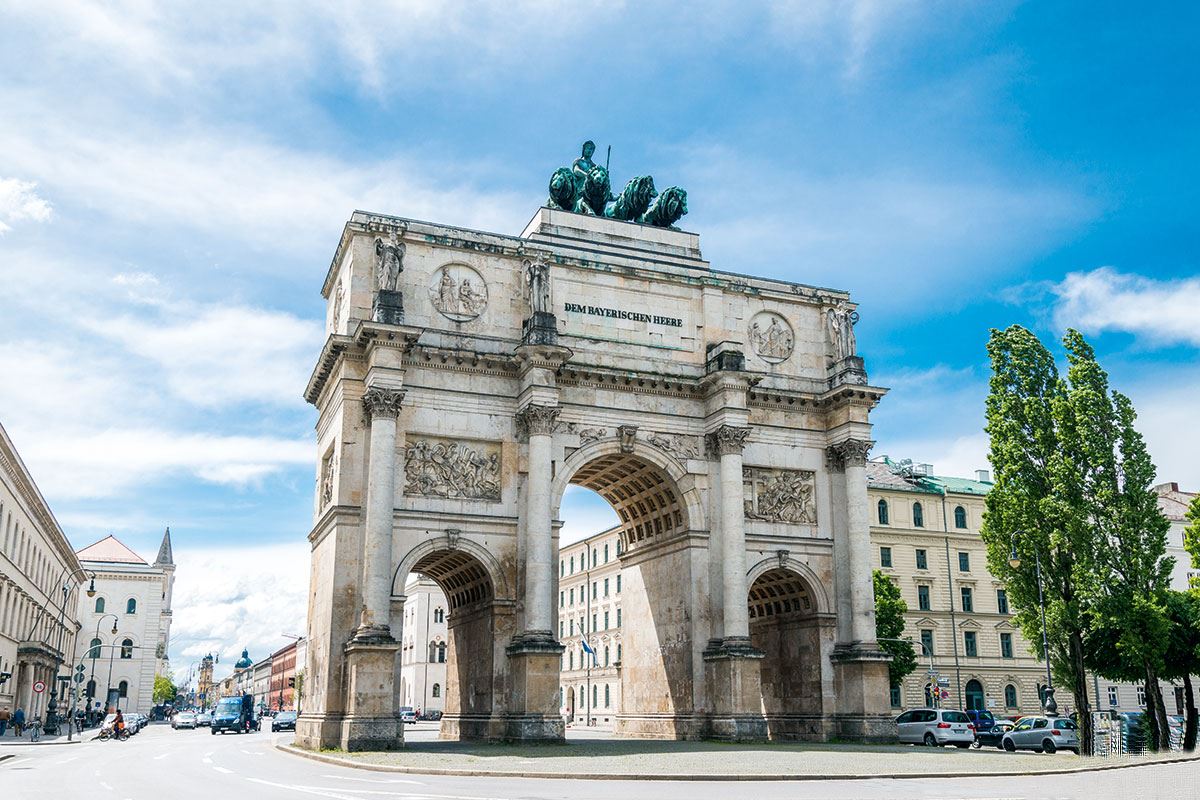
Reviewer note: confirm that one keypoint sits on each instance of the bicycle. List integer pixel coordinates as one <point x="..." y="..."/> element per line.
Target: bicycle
<point x="35" y="730"/>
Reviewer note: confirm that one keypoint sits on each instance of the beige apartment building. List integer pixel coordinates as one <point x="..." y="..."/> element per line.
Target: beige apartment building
<point x="589" y="606"/>
<point x="426" y="643"/>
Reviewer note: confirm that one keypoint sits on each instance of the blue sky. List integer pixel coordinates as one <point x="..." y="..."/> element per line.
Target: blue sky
<point x="172" y="185"/>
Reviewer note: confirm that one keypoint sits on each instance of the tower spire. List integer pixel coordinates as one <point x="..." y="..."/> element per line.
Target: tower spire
<point x="165" y="555"/>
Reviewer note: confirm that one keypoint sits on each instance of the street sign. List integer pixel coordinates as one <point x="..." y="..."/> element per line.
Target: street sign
<point x="39" y="686"/>
<point x="79" y="677"/>
<point x="943" y="681"/>
<point x="945" y="694"/>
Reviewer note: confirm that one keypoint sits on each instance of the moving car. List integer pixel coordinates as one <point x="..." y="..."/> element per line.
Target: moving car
<point x="284" y="721"/>
<point x="235" y="713"/>
<point x="203" y="718"/>
<point x="184" y="719"/>
<point x="936" y="727"/>
<point x="994" y="736"/>
<point x="408" y="715"/>
<point x="1042" y="735"/>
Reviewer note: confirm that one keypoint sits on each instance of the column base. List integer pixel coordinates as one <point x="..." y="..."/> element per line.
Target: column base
<point x="318" y="731"/>
<point x="535" y="658"/>
<point x="861" y="682"/>
<point x="733" y="668"/>
<point x="371" y="721"/>
<point x="372" y="634"/>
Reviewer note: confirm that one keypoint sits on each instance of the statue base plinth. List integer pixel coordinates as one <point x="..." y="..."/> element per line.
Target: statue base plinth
<point x="388" y="308"/>
<point x="850" y="370"/>
<point x="541" y="328"/>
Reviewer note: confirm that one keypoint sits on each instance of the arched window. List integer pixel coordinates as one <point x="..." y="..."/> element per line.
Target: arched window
<point x="131" y="606"/>
<point x="437" y="690"/>
<point x="127" y="648"/>
<point x="607" y="697"/>
<point x="442" y="653"/>
<point x="1010" y="696"/>
<point x="99" y="605"/>
<point x="883" y="512"/>
<point x="606" y="655"/>
<point x="918" y="516"/>
<point x="960" y="517"/>
<point x="595" y="695"/>
<point x="432" y="652"/>
<point x="123" y="689"/>
<point x="94" y="649"/>
<point x="974" y="694"/>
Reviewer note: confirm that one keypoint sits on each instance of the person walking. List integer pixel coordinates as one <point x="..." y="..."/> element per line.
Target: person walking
<point x="5" y="716"/>
<point x="18" y="720"/>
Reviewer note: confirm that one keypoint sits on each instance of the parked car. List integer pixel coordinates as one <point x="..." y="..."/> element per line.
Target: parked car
<point x="936" y="727"/>
<point x="1042" y="735"/>
<point x="284" y="721"/>
<point x="432" y="716"/>
<point x="184" y="719"/>
<point x="408" y="715"/>
<point x="981" y="718"/>
<point x="994" y="736"/>
<point x="203" y="718"/>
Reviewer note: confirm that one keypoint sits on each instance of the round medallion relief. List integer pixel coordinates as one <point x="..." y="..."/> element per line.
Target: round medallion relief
<point x="458" y="292"/>
<point x="771" y="337"/>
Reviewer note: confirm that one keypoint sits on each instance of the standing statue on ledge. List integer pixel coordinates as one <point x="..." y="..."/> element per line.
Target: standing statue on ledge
<point x="389" y="262"/>
<point x="537" y="278"/>
<point x="841" y="320"/>
<point x="581" y="166"/>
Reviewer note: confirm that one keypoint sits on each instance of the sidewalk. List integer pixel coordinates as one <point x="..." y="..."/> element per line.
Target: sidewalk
<point x="659" y="760"/>
<point x="8" y="740"/>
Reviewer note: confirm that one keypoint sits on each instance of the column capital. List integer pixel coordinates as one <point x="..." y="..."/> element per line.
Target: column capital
<point x="382" y="402"/>
<point x="537" y="419"/>
<point x="726" y="440"/>
<point x="847" y="453"/>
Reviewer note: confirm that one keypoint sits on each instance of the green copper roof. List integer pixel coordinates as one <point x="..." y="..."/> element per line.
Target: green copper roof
<point x="957" y="485"/>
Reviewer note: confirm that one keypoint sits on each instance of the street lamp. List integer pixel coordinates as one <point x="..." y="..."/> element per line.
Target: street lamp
<point x="1014" y="561"/>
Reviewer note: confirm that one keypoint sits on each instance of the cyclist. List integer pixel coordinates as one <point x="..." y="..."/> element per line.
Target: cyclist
<point x="119" y="725"/>
<point x="35" y="729"/>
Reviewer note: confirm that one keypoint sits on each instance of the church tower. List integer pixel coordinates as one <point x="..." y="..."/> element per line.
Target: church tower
<point x="166" y="564"/>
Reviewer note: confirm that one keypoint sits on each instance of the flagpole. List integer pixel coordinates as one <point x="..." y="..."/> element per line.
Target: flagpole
<point x="588" y="591"/>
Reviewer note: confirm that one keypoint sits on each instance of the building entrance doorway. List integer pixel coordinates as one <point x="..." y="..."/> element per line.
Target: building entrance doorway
<point x="973" y="695"/>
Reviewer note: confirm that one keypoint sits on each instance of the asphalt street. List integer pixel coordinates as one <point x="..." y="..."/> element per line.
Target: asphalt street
<point x="162" y="764"/>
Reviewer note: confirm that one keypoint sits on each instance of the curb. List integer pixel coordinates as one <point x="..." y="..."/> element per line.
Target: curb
<point x="40" y="744"/>
<point x="726" y="777"/>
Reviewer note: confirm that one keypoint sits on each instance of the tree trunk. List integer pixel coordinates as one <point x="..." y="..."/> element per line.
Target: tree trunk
<point x="1160" y="709"/>
<point x="1079" y="690"/>
<point x="1150" y="717"/>
<point x="1189" y="732"/>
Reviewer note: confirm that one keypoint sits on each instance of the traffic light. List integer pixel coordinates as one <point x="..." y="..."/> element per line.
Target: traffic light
<point x="292" y="683"/>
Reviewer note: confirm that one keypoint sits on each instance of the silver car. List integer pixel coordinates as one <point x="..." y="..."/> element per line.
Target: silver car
<point x="1042" y="735"/>
<point x="936" y="727"/>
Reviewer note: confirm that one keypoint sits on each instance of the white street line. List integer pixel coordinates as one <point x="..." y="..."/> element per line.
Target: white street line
<point x="14" y="762"/>
<point x="222" y="769"/>
<point x="159" y="758"/>
<point x="206" y="760"/>
<point x="372" y="780"/>
<point x="301" y="789"/>
<point x="67" y="760"/>
<point x="410" y="795"/>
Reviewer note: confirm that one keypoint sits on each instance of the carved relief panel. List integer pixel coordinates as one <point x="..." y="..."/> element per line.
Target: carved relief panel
<point x="458" y="292"/>
<point x="771" y="337"/>
<point x="440" y="467"/>
<point x="780" y="495"/>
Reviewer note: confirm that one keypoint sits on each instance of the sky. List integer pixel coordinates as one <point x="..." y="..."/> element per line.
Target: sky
<point x="173" y="181"/>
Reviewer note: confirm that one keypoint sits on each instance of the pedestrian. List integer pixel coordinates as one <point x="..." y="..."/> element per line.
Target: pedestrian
<point x="5" y="716"/>
<point x="18" y="720"/>
<point x="118" y="724"/>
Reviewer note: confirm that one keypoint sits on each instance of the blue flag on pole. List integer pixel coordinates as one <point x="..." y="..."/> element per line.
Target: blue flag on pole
<point x="588" y="649"/>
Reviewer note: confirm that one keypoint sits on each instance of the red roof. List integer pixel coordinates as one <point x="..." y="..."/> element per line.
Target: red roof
<point x="109" y="549"/>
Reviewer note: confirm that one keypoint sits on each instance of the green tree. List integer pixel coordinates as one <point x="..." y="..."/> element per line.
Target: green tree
<point x="164" y="689"/>
<point x="890" y="609"/>
<point x="1037" y="491"/>
<point x="1183" y="654"/>
<point x="1191" y="535"/>
<point x="299" y="693"/>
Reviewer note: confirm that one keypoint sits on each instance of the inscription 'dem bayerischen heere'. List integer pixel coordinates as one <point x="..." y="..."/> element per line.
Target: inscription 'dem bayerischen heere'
<point x="617" y="313"/>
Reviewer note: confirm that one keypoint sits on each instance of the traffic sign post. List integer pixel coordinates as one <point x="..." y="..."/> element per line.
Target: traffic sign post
<point x="39" y="686"/>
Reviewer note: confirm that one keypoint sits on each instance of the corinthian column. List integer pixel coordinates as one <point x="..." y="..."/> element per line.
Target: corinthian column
<point x="538" y="422"/>
<point x="728" y="441"/>
<point x="850" y="457"/>
<point x="382" y="407"/>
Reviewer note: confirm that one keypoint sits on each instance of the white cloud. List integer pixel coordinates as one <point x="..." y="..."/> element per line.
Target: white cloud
<point x="19" y="202"/>
<point x="235" y="597"/>
<point x="1163" y="311"/>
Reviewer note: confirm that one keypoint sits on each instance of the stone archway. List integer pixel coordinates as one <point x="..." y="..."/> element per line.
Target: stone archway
<point x="787" y="625"/>
<point x="661" y="675"/>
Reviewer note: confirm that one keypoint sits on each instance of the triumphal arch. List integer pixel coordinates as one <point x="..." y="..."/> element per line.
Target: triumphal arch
<point x="469" y="377"/>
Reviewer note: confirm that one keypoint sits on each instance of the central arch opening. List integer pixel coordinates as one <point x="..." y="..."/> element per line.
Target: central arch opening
<point x="785" y="626"/>
<point x="643" y="496"/>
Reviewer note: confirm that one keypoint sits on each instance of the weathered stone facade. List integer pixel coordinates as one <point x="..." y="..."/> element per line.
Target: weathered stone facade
<point x="610" y="355"/>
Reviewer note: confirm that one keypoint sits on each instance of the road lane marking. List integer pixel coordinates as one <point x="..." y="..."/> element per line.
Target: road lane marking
<point x="222" y="769"/>
<point x="303" y="790"/>
<point x="411" y="795"/>
<point x="159" y="758"/>
<point x="23" y="760"/>
<point x="67" y="760"/>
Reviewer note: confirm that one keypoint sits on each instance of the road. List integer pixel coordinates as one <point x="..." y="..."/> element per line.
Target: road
<point x="162" y="764"/>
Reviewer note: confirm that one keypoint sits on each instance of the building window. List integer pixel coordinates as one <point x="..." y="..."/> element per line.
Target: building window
<point x="1006" y="645"/>
<point x="99" y="605"/>
<point x="561" y="627"/>
<point x="605" y="553"/>
<point x="607" y="696"/>
<point x="1002" y="601"/>
<point x="922" y="598"/>
<point x="1112" y="697"/>
<point x="605" y="620"/>
<point x="1141" y="696"/>
<point x="595" y="559"/>
<point x="571" y="660"/>
<point x="885" y="556"/>
<point x="94" y="649"/>
<point x="594" y="626"/>
<point x="960" y="517"/>
<point x="1010" y="696"/>
<point x="606" y="655"/>
<point x="618" y="584"/>
<point x="970" y="643"/>
<point x="572" y="565"/>
<point x="572" y="627"/>
<point x="883" y="512"/>
<point x="437" y="690"/>
<point x="594" y="585"/>
<point x="127" y="649"/>
<point x="123" y="689"/>
<point x="606" y="587"/>
<point x="572" y="595"/>
<point x="918" y="516"/>
<point x="618" y="617"/>
<point x="618" y="651"/>
<point x="562" y="568"/>
<point x="562" y="598"/>
<point x="895" y="695"/>
<point x="922" y="559"/>
<point x="926" y="642"/>
<point x="968" y="602"/>
<point x="442" y="653"/>
<point x="432" y="652"/>
<point x="964" y="562"/>
<point x="439" y="615"/>
<point x="595" y="694"/>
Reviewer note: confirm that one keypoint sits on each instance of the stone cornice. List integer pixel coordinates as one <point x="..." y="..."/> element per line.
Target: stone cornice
<point x="854" y="394"/>
<point x="334" y="347"/>
<point x="26" y="489"/>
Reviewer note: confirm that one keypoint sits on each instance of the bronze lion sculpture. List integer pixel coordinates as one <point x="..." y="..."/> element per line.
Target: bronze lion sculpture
<point x="562" y="190"/>
<point x="667" y="209"/>
<point x="595" y="194"/>
<point x="634" y="199"/>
